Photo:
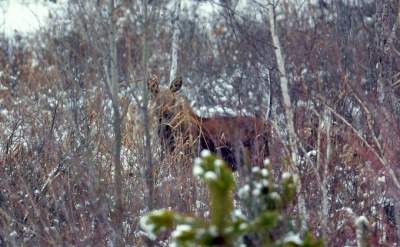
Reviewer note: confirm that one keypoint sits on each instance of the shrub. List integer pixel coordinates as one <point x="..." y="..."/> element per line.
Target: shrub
<point x="226" y="226"/>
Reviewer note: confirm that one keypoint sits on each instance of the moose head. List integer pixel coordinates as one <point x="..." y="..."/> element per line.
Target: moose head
<point x="170" y="109"/>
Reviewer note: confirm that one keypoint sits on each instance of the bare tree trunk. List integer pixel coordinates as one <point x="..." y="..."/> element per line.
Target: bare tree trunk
<point x="175" y="42"/>
<point x="385" y="33"/>
<point x="288" y="110"/>
<point x="112" y="89"/>
<point x="384" y="65"/>
<point x="362" y="231"/>
<point x="149" y="169"/>
<point x="327" y="121"/>
<point x="284" y="83"/>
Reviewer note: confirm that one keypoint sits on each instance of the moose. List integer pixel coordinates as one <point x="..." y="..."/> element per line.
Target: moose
<point x="236" y="139"/>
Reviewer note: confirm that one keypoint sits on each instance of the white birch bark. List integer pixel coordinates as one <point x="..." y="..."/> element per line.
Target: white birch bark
<point x="362" y="231"/>
<point x="327" y="122"/>
<point x="113" y="89"/>
<point x="175" y="41"/>
<point x="148" y="174"/>
<point x="397" y="217"/>
<point x="284" y="84"/>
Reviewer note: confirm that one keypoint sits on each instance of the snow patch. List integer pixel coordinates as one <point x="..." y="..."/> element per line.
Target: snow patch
<point x="26" y="17"/>
<point x="293" y="238"/>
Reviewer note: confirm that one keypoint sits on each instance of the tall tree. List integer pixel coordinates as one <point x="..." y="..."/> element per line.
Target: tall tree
<point x="175" y="41"/>
<point x="149" y="167"/>
<point x="112" y="85"/>
<point x="284" y="84"/>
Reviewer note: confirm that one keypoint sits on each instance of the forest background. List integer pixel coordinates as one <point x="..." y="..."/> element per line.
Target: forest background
<point x="80" y="161"/>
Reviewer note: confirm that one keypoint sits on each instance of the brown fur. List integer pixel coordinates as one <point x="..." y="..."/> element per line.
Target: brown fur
<point x="236" y="139"/>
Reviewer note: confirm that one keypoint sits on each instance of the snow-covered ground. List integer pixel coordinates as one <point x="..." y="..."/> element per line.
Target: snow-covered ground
<point x="26" y="17"/>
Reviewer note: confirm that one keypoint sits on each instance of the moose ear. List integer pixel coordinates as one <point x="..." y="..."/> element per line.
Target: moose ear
<point x="153" y="84"/>
<point x="176" y="85"/>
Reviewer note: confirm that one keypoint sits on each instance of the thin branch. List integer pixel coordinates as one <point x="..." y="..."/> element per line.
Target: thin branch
<point x="381" y="159"/>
